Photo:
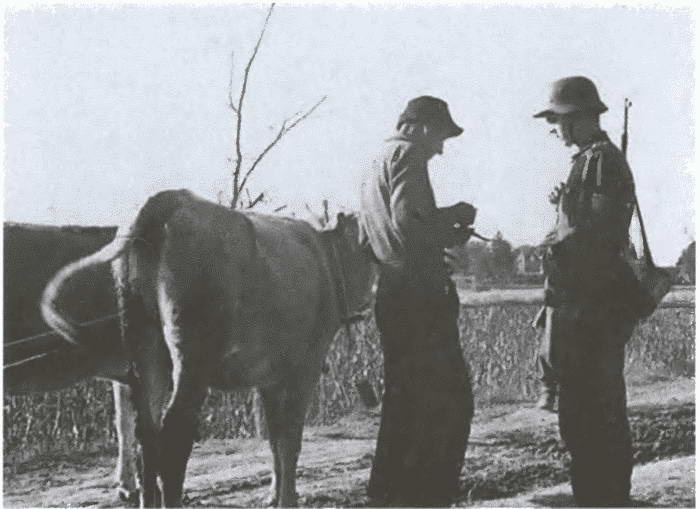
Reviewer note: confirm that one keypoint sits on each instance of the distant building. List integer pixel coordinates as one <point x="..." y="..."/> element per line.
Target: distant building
<point x="528" y="261"/>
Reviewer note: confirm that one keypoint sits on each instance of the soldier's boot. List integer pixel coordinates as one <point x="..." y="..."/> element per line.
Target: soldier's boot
<point x="547" y="401"/>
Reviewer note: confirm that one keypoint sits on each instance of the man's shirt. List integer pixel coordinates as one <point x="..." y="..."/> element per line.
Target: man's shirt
<point x="399" y="212"/>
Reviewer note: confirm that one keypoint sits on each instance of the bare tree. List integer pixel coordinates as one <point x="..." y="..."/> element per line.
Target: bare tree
<point x="320" y="220"/>
<point x="239" y="175"/>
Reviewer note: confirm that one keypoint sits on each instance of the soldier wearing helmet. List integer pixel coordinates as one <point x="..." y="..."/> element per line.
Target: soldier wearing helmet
<point x="417" y="462"/>
<point x="589" y="297"/>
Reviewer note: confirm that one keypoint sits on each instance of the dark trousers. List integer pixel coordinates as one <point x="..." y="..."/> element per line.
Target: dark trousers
<point x="589" y="361"/>
<point x="427" y="405"/>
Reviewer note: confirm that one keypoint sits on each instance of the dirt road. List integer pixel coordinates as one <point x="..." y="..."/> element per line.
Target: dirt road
<point x="514" y="459"/>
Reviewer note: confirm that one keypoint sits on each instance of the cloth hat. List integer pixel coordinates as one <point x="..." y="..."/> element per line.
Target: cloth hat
<point x="431" y="111"/>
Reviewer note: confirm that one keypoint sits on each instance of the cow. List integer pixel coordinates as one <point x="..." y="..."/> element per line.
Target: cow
<point x="37" y="359"/>
<point x="213" y="297"/>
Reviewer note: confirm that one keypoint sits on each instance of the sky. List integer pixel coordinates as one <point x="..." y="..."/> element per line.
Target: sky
<point x="105" y="106"/>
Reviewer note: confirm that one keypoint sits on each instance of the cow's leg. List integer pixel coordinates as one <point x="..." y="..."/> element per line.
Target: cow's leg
<point x="295" y="403"/>
<point x="150" y="391"/>
<point x="179" y="430"/>
<point x="273" y="401"/>
<point x="125" y="424"/>
<point x="189" y="369"/>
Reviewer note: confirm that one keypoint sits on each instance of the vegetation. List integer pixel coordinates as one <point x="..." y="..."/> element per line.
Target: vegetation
<point x="493" y="264"/>
<point x="686" y="265"/>
<point x="499" y="345"/>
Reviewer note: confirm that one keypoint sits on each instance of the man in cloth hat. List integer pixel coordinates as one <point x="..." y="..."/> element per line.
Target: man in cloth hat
<point x="590" y="294"/>
<point x="427" y="405"/>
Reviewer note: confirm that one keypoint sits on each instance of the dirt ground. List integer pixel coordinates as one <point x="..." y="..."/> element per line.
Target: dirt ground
<point x="515" y="459"/>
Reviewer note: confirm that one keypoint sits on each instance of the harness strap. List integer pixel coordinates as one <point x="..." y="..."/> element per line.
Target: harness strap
<point x="28" y="360"/>
<point x="340" y="284"/>
<point x="36" y="337"/>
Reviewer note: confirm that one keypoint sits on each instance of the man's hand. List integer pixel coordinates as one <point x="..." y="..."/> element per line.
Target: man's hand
<point x="464" y="214"/>
<point x="454" y="224"/>
<point x="457" y="236"/>
<point x="556" y="193"/>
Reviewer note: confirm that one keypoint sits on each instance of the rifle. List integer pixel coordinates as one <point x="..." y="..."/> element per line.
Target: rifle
<point x="654" y="282"/>
<point x="623" y="144"/>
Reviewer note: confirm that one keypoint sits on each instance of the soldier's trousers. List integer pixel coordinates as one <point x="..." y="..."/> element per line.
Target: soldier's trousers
<point x="545" y="354"/>
<point x="427" y="404"/>
<point x="589" y="361"/>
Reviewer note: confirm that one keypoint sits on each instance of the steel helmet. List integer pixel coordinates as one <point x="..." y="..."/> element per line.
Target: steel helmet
<point x="575" y="93"/>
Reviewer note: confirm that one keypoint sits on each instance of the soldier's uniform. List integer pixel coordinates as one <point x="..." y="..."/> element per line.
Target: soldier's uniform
<point x="599" y="171"/>
<point x="427" y="404"/>
<point x="590" y="295"/>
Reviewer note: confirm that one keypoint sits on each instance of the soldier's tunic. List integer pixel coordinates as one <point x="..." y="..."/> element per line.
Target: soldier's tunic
<point x="427" y="404"/>
<point x="590" y="292"/>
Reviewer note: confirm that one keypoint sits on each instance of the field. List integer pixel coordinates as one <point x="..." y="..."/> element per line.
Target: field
<point x="73" y="427"/>
<point x="499" y="345"/>
<point x="514" y="459"/>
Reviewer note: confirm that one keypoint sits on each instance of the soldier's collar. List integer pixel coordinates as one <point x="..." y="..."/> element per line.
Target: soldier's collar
<point x="596" y="138"/>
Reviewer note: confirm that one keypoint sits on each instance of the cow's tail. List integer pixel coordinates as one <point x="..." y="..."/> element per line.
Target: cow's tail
<point x="152" y="215"/>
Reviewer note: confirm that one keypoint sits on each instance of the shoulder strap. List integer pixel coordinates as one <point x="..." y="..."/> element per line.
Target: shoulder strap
<point x="647" y="250"/>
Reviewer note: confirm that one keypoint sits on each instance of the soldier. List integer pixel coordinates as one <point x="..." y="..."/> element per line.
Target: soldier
<point x="591" y="294"/>
<point x="427" y="404"/>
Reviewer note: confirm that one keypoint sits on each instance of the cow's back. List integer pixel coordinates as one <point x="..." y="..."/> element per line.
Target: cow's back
<point x="263" y="282"/>
<point x="290" y="302"/>
<point x="33" y="254"/>
<point x="295" y="263"/>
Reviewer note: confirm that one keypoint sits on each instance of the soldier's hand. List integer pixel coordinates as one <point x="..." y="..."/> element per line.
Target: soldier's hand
<point x="550" y="239"/>
<point x="556" y="193"/>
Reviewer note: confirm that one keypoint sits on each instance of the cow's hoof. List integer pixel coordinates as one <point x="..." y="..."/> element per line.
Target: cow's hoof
<point x="292" y="502"/>
<point x="270" y="500"/>
<point x="128" y="497"/>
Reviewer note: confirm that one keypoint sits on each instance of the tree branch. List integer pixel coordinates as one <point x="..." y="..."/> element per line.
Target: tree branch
<point x="230" y="87"/>
<point x="239" y="112"/>
<point x="257" y="200"/>
<point x="318" y="219"/>
<point x="284" y="129"/>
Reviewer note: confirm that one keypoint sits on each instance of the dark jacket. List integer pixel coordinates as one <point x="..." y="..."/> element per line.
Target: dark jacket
<point x="585" y="250"/>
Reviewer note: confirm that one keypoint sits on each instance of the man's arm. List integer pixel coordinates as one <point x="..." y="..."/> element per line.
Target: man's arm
<point x="414" y="213"/>
<point x="412" y="202"/>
